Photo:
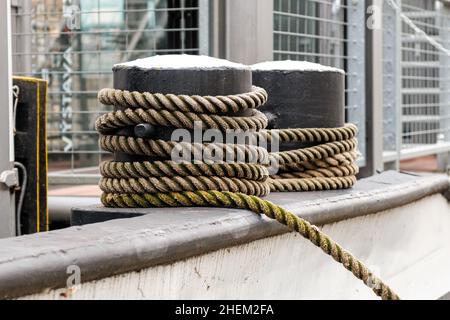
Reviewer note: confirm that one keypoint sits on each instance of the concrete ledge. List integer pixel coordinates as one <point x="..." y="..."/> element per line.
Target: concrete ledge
<point x="34" y="263"/>
<point x="385" y="191"/>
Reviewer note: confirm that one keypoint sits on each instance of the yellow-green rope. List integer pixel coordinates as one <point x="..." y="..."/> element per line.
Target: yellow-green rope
<point x="242" y="201"/>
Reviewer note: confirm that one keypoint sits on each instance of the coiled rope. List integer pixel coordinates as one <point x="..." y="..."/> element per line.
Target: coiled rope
<point x="238" y="182"/>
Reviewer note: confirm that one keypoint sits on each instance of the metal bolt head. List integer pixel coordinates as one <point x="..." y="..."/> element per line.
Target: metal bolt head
<point x="144" y="130"/>
<point x="10" y="178"/>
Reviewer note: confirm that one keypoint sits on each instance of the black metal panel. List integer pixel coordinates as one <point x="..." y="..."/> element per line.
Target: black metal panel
<point x="31" y="150"/>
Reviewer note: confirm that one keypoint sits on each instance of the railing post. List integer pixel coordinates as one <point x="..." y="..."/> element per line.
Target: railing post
<point x="443" y="22"/>
<point x="392" y="48"/>
<point x="356" y="76"/>
<point x="7" y="212"/>
<point x="249" y="30"/>
<point x="374" y="97"/>
<point x="204" y="10"/>
<point x="398" y="82"/>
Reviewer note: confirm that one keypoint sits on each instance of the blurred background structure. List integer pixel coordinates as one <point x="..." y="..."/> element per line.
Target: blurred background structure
<point x="396" y="54"/>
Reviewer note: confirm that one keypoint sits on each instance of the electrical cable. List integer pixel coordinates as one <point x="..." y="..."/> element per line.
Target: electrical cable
<point x="23" y="190"/>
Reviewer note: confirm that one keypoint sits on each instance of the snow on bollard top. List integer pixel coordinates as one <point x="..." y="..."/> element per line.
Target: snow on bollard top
<point x="180" y="62"/>
<point x="290" y="65"/>
<point x="183" y="75"/>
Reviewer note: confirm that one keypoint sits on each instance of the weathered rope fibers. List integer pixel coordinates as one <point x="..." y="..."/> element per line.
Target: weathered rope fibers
<point x="325" y="166"/>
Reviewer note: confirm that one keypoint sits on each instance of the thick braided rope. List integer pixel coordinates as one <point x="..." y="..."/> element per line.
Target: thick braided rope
<point x="338" y="160"/>
<point x="311" y="184"/>
<point x="182" y="111"/>
<point x="316" y="135"/>
<point x="165" y="149"/>
<point x="259" y="206"/>
<point x="318" y="152"/>
<point x="179" y="184"/>
<point x="237" y="184"/>
<point x="184" y="103"/>
<point x="168" y="168"/>
<point x="119" y="119"/>
<point x="326" y="166"/>
<point x="329" y="172"/>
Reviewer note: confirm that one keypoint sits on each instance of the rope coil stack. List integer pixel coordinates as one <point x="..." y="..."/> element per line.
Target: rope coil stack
<point x="147" y="178"/>
<point x="235" y="183"/>
<point x="328" y="165"/>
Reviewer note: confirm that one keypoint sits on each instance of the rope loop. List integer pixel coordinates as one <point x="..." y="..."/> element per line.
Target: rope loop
<point x="184" y="103"/>
<point x="255" y="120"/>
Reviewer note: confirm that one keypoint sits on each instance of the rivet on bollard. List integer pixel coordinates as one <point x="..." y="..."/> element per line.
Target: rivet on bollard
<point x="144" y="130"/>
<point x="272" y="120"/>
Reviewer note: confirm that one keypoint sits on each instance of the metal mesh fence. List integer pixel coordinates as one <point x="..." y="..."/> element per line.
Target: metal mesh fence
<point x="423" y="106"/>
<point x="424" y="79"/>
<point x="310" y="30"/>
<point x="74" y="43"/>
<point x="331" y="33"/>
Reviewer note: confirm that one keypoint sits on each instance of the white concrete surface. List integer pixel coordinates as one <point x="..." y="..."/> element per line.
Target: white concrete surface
<point x="408" y="247"/>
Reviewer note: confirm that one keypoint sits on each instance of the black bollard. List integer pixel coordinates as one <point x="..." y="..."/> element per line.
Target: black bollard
<point x="178" y="74"/>
<point x="301" y="94"/>
<point x="183" y="74"/>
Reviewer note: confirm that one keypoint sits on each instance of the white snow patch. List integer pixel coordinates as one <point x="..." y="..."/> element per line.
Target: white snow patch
<point x="182" y="61"/>
<point x="290" y="65"/>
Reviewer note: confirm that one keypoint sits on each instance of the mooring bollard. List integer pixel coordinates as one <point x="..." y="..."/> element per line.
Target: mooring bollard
<point x="178" y="75"/>
<point x="301" y="94"/>
<point x="306" y="110"/>
<point x="240" y="177"/>
<point x="183" y="74"/>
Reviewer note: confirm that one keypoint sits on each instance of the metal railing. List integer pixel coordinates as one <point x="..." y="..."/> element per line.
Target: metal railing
<point x="331" y="33"/>
<point x="417" y="79"/>
<point x="74" y="43"/>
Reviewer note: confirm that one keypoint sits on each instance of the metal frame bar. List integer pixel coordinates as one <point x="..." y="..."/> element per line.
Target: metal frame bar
<point x="398" y="84"/>
<point x="248" y="30"/>
<point x="392" y="87"/>
<point x="204" y="27"/>
<point x="375" y="126"/>
<point x="358" y="86"/>
<point x="7" y="200"/>
<point x="444" y="85"/>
